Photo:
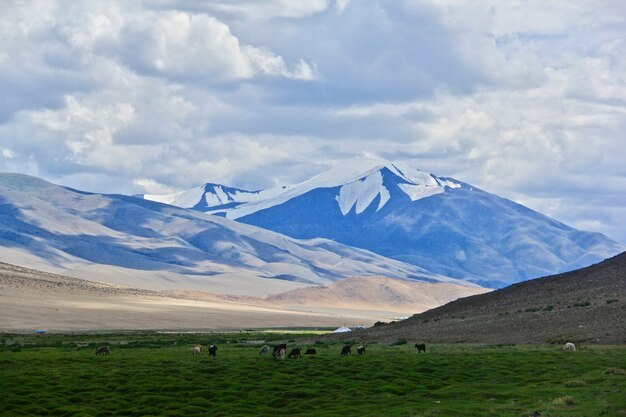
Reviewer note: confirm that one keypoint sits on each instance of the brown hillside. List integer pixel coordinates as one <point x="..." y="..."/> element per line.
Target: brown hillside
<point x="586" y="305"/>
<point x="376" y="293"/>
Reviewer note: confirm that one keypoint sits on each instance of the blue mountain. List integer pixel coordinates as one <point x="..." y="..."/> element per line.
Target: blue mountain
<point x="440" y="224"/>
<point x="142" y="243"/>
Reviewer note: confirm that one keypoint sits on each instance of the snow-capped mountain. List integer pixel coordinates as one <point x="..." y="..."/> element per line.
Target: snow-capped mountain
<point x="441" y="224"/>
<point x="60" y="229"/>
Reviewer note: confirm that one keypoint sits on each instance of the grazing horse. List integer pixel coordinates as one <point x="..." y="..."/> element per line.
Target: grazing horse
<point x="196" y="350"/>
<point x="360" y="350"/>
<point x="282" y="346"/>
<point x="421" y="347"/>
<point x="346" y="350"/>
<point x="295" y="353"/>
<point x="265" y="350"/>
<point x="569" y="347"/>
<point x="310" y="351"/>
<point x="279" y="353"/>
<point x="212" y="350"/>
<point x="103" y="350"/>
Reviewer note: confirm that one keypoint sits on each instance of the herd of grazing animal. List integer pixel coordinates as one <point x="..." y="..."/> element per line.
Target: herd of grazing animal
<point x="279" y="351"/>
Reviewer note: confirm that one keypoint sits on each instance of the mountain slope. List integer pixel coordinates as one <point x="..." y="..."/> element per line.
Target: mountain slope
<point x="31" y="299"/>
<point x="70" y="230"/>
<point x="375" y="293"/>
<point x="441" y="224"/>
<point x="586" y="305"/>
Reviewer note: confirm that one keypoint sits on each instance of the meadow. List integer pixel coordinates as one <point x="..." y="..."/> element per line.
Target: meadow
<point x="155" y="374"/>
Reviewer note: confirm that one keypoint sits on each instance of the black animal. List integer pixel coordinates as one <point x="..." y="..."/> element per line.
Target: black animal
<point x="212" y="350"/>
<point x="346" y="350"/>
<point x="361" y="350"/>
<point x="279" y="351"/>
<point x="295" y="353"/>
<point x="310" y="351"/>
<point x="279" y="347"/>
<point x="103" y="350"/>
<point x="421" y="347"/>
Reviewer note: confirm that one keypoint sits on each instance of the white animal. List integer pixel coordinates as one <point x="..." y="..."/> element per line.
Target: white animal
<point x="196" y="350"/>
<point x="570" y="347"/>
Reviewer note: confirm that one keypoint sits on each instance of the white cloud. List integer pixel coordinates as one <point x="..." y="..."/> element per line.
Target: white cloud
<point x="522" y="98"/>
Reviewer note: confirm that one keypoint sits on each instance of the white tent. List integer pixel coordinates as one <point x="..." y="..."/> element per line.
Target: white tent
<point x="342" y="329"/>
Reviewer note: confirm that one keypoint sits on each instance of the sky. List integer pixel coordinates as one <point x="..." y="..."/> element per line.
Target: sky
<point x="522" y="98"/>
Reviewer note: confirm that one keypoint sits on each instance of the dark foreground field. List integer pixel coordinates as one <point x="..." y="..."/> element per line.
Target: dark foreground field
<point x="157" y="375"/>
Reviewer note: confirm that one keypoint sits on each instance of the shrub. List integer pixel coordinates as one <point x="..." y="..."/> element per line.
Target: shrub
<point x="399" y="342"/>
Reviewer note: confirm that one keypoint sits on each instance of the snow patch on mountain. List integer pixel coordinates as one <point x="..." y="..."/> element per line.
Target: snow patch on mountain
<point x="416" y="192"/>
<point x="362" y="193"/>
<point x="185" y="199"/>
<point x="207" y="196"/>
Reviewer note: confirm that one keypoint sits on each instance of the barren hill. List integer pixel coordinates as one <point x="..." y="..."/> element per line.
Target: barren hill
<point x="376" y="293"/>
<point x="31" y="299"/>
<point x="587" y="305"/>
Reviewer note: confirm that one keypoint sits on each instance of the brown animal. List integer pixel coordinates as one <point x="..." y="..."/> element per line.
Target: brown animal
<point x="212" y="350"/>
<point x="346" y="350"/>
<point x="421" y="347"/>
<point x="295" y="353"/>
<point x="360" y="350"/>
<point x="310" y="351"/>
<point x="103" y="350"/>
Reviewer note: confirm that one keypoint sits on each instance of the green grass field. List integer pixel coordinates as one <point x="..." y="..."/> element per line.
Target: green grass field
<point x="155" y="374"/>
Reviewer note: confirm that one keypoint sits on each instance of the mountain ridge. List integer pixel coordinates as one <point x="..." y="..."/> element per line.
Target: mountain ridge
<point x="81" y="231"/>
<point x="442" y="224"/>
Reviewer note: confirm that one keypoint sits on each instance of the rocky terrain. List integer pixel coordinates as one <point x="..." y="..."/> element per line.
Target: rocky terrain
<point x="587" y="305"/>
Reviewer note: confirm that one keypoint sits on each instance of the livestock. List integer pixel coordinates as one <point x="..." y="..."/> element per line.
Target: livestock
<point x="421" y="347"/>
<point x="279" y="353"/>
<point x="212" y="350"/>
<point x="360" y="350"/>
<point x="103" y="350"/>
<point x="569" y="347"/>
<point x="295" y="353"/>
<point x="346" y="350"/>
<point x="282" y="346"/>
<point x="196" y="350"/>
<point x="310" y="351"/>
<point x="265" y="350"/>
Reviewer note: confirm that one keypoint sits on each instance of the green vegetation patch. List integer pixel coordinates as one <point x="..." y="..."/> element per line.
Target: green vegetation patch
<point x="156" y="374"/>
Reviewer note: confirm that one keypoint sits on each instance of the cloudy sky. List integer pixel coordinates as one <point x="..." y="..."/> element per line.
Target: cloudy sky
<point x="523" y="98"/>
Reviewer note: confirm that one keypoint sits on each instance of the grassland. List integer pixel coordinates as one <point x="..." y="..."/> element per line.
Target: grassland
<point x="155" y="374"/>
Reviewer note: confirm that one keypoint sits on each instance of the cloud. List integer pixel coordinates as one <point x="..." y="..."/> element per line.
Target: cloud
<point x="521" y="98"/>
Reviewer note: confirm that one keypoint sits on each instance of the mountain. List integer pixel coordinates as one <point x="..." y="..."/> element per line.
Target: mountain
<point x="144" y="244"/>
<point x="587" y="305"/>
<point x="441" y="224"/>
<point x="374" y="293"/>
